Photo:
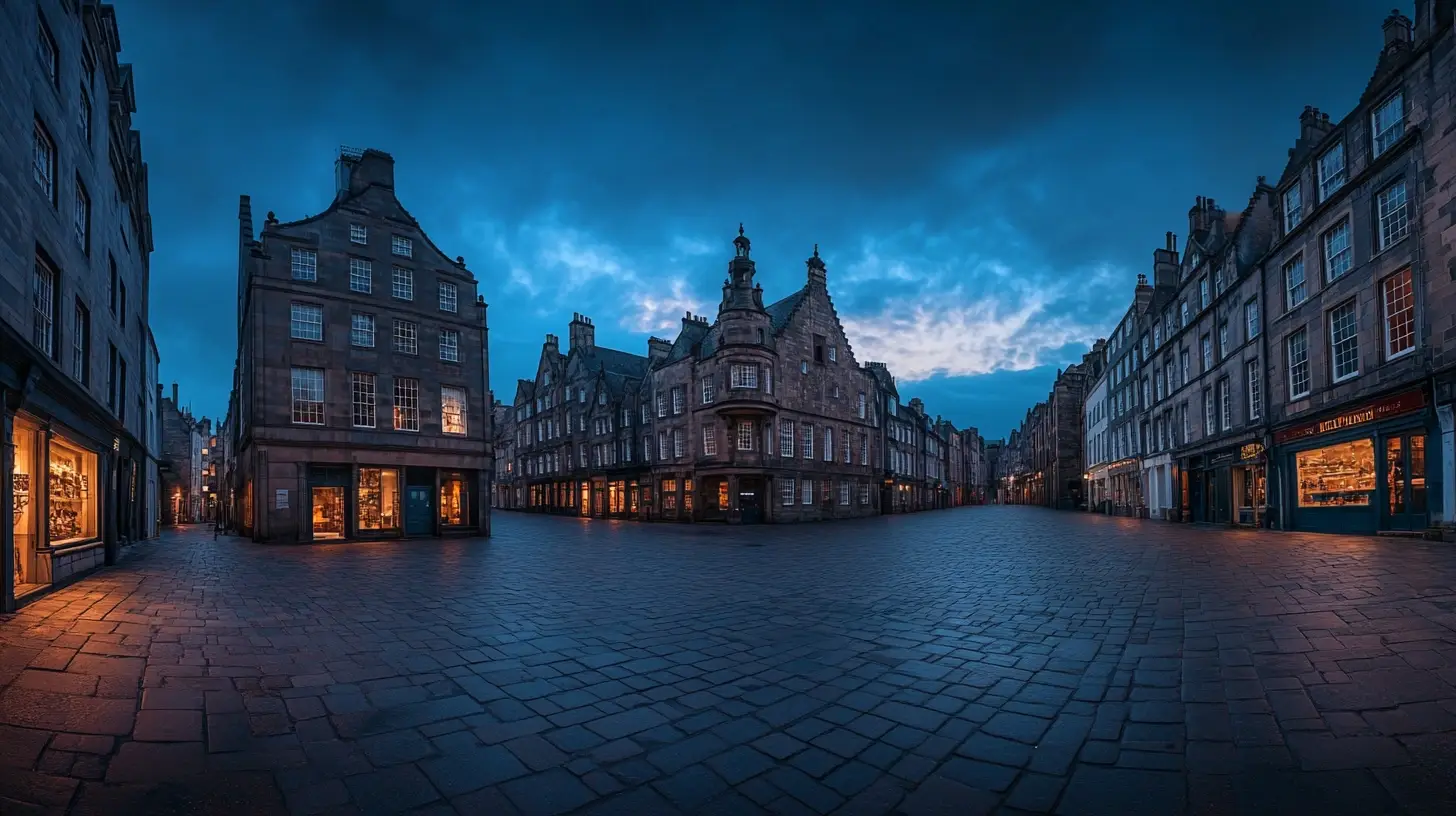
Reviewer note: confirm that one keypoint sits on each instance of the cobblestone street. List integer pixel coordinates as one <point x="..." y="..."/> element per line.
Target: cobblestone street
<point x="994" y="659"/>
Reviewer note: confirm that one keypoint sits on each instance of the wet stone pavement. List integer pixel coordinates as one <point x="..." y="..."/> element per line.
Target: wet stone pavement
<point x="978" y="660"/>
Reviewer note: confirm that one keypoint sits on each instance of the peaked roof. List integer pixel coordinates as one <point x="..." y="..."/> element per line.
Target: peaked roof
<point x="781" y="310"/>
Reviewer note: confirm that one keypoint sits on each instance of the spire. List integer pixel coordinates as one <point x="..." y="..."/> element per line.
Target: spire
<point x="741" y="244"/>
<point x="816" y="267"/>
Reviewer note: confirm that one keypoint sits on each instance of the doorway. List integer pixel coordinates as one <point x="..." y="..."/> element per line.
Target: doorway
<point x="418" y="514"/>
<point x="1405" y="482"/>
<point x="328" y="513"/>
<point x="750" y="501"/>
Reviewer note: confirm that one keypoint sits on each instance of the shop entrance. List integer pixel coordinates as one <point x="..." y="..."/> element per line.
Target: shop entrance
<point x="1405" y="481"/>
<point x="750" y="500"/>
<point x="328" y="513"/>
<point x="418" y="515"/>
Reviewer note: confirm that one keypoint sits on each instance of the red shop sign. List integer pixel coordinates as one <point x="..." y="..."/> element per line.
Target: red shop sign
<point x="1404" y="403"/>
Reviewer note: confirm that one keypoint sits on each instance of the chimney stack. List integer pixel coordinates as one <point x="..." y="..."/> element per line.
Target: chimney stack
<point x="356" y="170"/>
<point x="581" y="333"/>
<point x="816" y="268"/>
<point x="174" y="396"/>
<point x="657" y="349"/>
<point x="245" y="220"/>
<point x="553" y="342"/>
<point x="1397" y="30"/>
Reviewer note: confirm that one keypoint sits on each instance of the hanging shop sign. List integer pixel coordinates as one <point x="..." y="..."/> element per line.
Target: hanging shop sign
<point x="1404" y="403"/>
<point x="1252" y="452"/>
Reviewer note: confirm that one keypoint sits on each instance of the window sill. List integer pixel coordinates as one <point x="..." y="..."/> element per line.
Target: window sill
<point x="1390" y="358"/>
<point x="1346" y="378"/>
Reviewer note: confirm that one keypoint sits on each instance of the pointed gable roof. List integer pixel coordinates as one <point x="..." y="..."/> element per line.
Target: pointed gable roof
<point x="780" y="311"/>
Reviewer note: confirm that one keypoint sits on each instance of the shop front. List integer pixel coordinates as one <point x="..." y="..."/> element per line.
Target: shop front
<point x="1124" y="479"/>
<point x="381" y="502"/>
<point x="1362" y="470"/>
<point x="56" y="494"/>
<point x="1248" y="477"/>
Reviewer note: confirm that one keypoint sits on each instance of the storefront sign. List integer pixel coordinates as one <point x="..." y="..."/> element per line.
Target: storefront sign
<point x="280" y="499"/>
<point x="1405" y="403"/>
<point x="1251" y="451"/>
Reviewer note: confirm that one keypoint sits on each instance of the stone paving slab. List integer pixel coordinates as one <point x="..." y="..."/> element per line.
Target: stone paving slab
<point x="980" y="660"/>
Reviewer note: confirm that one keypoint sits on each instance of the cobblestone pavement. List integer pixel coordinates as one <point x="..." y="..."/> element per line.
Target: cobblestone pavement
<point x="994" y="659"/>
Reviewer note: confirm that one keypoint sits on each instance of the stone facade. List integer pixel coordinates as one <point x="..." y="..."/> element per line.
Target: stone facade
<point x="183" y="440"/>
<point x="362" y="407"/>
<point x="75" y="344"/>
<point x="762" y="414"/>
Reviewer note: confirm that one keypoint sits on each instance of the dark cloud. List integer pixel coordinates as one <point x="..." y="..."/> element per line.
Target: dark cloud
<point x="812" y="121"/>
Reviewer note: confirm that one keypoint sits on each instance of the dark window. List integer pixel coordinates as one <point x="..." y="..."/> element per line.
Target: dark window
<point x="111" y="286"/>
<point x="121" y="287"/>
<point x="112" y="359"/>
<point x="818" y="349"/>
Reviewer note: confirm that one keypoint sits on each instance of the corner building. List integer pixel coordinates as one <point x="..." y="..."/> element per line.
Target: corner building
<point x="761" y="415"/>
<point x="363" y="409"/>
<point x="77" y="359"/>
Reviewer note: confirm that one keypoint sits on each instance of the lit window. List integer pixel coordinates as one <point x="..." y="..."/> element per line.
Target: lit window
<point x="404" y="283"/>
<point x="1294" y="289"/>
<point x="1400" y="314"/>
<point x="406" y="337"/>
<point x="1387" y="123"/>
<point x="406" y="404"/>
<point x="403" y="247"/>
<point x="308" y="396"/>
<point x="361" y="330"/>
<point x="450" y="345"/>
<point x="1297" y="357"/>
<point x="306" y="321"/>
<point x="452" y="410"/>
<point x="361" y="388"/>
<point x="361" y="276"/>
<point x="1390" y="211"/>
<point x="43" y="162"/>
<point x="305" y="264"/>
<point x="358" y="234"/>
<point x="449" y="298"/>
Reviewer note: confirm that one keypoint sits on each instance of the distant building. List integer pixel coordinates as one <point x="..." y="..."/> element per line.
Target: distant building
<point x="362" y="407"/>
<point x="183" y="439"/>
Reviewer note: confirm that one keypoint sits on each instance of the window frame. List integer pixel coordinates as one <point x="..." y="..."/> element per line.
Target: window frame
<point x="300" y="324"/>
<point x="1408" y="279"/>
<point x="302" y="409"/>
<point x="406" y="400"/>
<point x="1351" y="342"/>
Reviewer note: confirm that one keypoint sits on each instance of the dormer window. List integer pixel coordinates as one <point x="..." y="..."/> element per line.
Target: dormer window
<point x="1293" y="208"/>
<point x="1387" y="123"/>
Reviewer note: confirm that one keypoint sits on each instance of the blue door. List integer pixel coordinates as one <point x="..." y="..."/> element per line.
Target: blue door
<point x="417" y="511"/>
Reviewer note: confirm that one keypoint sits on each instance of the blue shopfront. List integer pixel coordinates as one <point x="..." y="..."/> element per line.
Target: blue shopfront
<point x="1362" y="470"/>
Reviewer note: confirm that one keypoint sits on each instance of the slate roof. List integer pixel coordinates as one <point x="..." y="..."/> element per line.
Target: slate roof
<point x="688" y="341"/>
<point x="780" y="311"/>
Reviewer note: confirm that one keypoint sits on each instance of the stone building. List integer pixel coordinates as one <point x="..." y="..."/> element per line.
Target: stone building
<point x="761" y="414"/>
<point x="503" y="427"/>
<point x="1203" y="431"/>
<point x="900" y="487"/>
<point x="184" y="437"/>
<point x="1349" y="401"/>
<point x="362" y="404"/>
<point x="1124" y="406"/>
<point x="973" y="466"/>
<point x="1095" y="442"/>
<point x="75" y="345"/>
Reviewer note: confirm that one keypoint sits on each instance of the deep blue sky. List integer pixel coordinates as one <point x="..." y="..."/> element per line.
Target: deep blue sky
<point x="984" y="186"/>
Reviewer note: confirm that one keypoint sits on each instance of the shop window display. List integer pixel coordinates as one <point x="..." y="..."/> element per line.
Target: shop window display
<point x="72" y="494"/>
<point x="454" y="500"/>
<point x="23" y="514"/>
<point x="1337" y="476"/>
<point x="379" y="508"/>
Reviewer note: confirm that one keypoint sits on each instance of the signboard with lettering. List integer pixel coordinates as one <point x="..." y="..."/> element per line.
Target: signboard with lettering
<point x="1404" y="403"/>
<point x="1251" y="451"/>
<point x="280" y="499"/>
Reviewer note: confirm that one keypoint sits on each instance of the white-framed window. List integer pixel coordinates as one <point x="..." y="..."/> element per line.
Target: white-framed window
<point x="450" y="345"/>
<point x="1330" y="170"/>
<point x="1387" y="123"/>
<point x="803" y="366"/>
<point x="361" y="399"/>
<point x="1254" y="387"/>
<point x="786" y="492"/>
<point x="1183" y="365"/>
<point x="449" y="297"/>
<point x="808" y="441"/>
<point x="306" y="321"/>
<point x="361" y="330"/>
<point x="1203" y="299"/>
<point x="361" y="276"/>
<point x="1400" y="314"/>
<point x="1157" y="334"/>
<point x="661" y="405"/>
<point x="308" y="396"/>
<point x="404" y="283"/>
<point x="864" y="495"/>
<point x="406" y="337"/>
<point x="710" y="441"/>
<point x="707" y="390"/>
<point x="861" y="405"/>
<point x="81" y="342"/>
<point x="677" y="443"/>
<point x="768" y="379"/>
<point x="661" y="445"/>
<point x="1297" y="360"/>
<point x="786" y="438"/>
<point x="1294" y="288"/>
<point x="358" y="234"/>
<point x="402" y="246"/>
<point x="806" y="493"/>
<point x="1344" y="342"/>
<point x="844" y="494"/>
<point x="1183" y="312"/>
<point x="1225" y="406"/>
<point x="828" y="444"/>
<point x="742" y="376"/>
<point x="406" y="404"/>
<point x="453" y="410"/>
<point x="833" y="354"/>
<point x="81" y="216"/>
<point x="1390" y="212"/>
<point x="43" y="304"/>
<point x="677" y="400"/>
<point x="1251" y="318"/>
<point x="847" y="448"/>
<point x="1207" y="346"/>
<point x="745" y="436"/>
<point x="305" y="264"/>
<point x="43" y="161"/>
<point x="1208" y="412"/>
<point x="864" y="449"/>
<point x="1293" y="208"/>
<point x="1337" y="250"/>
